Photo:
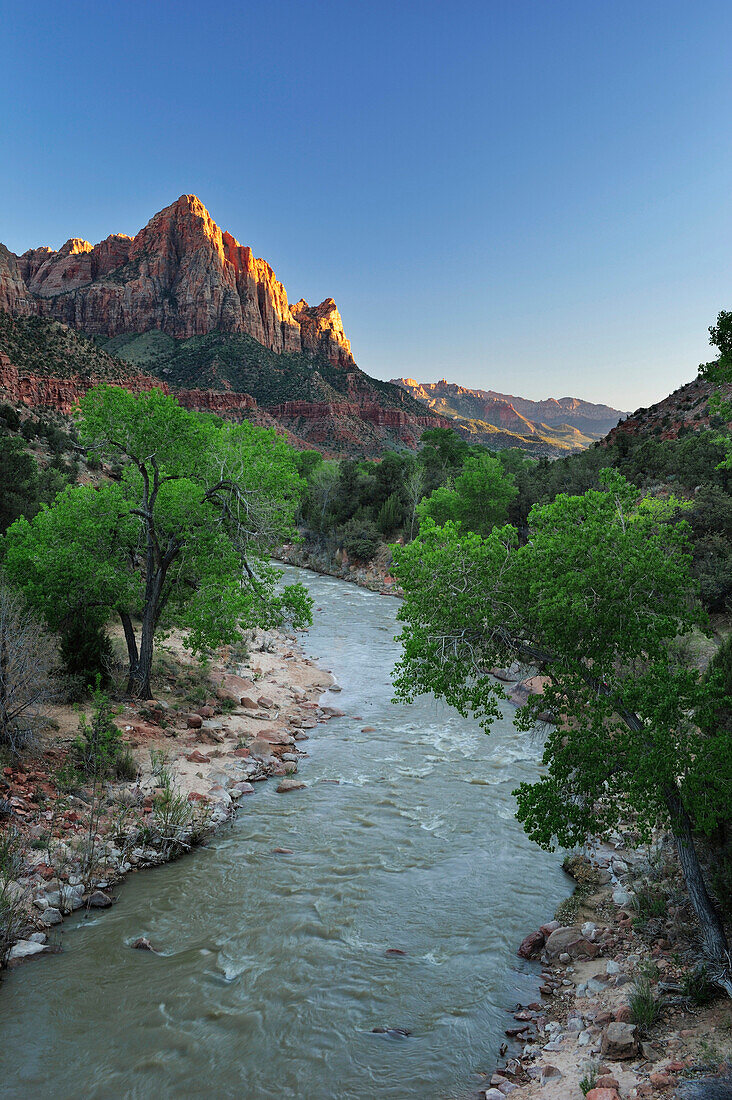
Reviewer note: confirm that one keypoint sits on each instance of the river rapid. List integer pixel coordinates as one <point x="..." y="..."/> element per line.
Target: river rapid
<point x="273" y="968"/>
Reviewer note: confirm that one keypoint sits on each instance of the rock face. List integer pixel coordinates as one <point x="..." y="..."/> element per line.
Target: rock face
<point x="514" y="414"/>
<point x="180" y="275"/>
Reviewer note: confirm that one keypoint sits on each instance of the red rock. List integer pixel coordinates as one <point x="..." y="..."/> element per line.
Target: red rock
<point x="394" y="951"/>
<point x="662" y="1080"/>
<point x="195" y="796"/>
<point x="197" y="757"/>
<point x="206" y="712"/>
<point x="531" y="946"/>
<point x="369" y="729"/>
<point x="602" y="1094"/>
<point x="243" y="753"/>
<point x="675" y="1067"/>
<point x="194" y="722"/>
<point x="283" y="851"/>
<point x="248" y="703"/>
<point x="607" y="1081"/>
<point x="623" y="1014"/>
<point x="265" y="702"/>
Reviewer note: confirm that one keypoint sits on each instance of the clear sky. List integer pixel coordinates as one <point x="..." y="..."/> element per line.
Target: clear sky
<point x="526" y="195"/>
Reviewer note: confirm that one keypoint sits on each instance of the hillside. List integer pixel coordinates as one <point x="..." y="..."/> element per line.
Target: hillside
<point x="501" y="420"/>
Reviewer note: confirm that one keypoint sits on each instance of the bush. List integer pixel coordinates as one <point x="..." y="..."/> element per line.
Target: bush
<point x="13" y="913"/>
<point x="360" y="538"/>
<point x="87" y="655"/>
<point x="645" y="1010"/>
<point x="99" y="748"/>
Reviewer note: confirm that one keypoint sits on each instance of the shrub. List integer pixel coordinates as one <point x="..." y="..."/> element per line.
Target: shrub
<point x="99" y="747"/>
<point x="26" y="683"/>
<point x="644" y="1008"/>
<point x="13" y="913"/>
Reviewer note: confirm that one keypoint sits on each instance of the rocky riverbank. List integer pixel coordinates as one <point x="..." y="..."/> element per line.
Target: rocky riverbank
<point x="199" y="747"/>
<point x="373" y="575"/>
<point x="625" y="1011"/>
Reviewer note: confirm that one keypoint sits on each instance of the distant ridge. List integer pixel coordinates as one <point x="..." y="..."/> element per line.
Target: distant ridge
<point x="567" y="423"/>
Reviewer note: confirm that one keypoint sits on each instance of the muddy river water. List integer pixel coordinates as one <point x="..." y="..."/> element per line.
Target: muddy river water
<point x="273" y="968"/>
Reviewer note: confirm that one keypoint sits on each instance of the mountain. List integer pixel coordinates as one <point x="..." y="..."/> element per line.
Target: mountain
<point x="187" y="304"/>
<point x="502" y="420"/>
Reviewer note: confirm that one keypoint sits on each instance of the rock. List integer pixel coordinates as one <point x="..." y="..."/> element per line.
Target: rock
<point x="248" y="703"/>
<point x="197" y="757"/>
<point x="623" y="1014"/>
<point x="549" y="927"/>
<point x="242" y="753"/>
<point x="607" y="1081"/>
<point x="242" y="788"/>
<point x="612" y="967"/>
<point x="25" y="949"/>
<point x="283" y="851"/>
<point x="286" y="785"/>
<point x="38" y="937"/>
<point x="571" y="941"/>
<point x="621" y="897"/>
<point x="333" y="712"/>
<point x="265" y="702"/>
<point x="662" y="1080"/>
<point x="392" y="1032"/>
<point x="549" y="1072"/>
<point x="206" y="712"/>
<point x="51" y="916"/>
<point x="619" y="1042"/>
<point x="602" y="1094"/>
<point x="531" y="945"/>
<point x="493" y="1094"/>
<point x="142" y="943"/>
<point x="368" y="729"/>
<point x="194" y="721"/>
<point x="99" y="900"/>
<point x="394" y="951"/>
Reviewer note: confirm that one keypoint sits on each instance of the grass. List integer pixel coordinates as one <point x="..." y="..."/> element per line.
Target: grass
<point x="645" y="1009"/>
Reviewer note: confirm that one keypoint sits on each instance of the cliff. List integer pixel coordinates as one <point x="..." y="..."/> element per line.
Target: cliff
<point x="180" y="275"/>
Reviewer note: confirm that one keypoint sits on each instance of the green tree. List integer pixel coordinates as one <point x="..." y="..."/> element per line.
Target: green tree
<point x="479" y="499"/>
<point x="183" y="539"/>
<point x="598" y="600"/>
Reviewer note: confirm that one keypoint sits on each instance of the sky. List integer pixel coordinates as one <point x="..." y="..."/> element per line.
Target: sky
<point x="532" y="196"/>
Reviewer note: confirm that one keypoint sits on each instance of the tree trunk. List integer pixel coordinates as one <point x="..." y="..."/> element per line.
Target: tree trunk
<point x="138" y="684"/>
<point x="714" y="939"/>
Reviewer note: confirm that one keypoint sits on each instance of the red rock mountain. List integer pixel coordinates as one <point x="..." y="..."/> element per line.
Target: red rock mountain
<point x="513" y="414"/>
<point x="186" y="302"/>
<point x="180" y="275"/>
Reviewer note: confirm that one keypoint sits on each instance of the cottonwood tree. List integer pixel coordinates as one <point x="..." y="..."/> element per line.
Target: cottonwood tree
<point x="598" y="599"/>
<point x="184" y="539"/>
<point x="479" y="498"/>
<point x="27" y="662"/>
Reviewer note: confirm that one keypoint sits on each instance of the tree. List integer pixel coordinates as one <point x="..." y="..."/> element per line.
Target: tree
<point x="183" y="539"/>
<point x="27" y="660"/>
<point x="479" y="499"/>
<point x="598" y="599"/>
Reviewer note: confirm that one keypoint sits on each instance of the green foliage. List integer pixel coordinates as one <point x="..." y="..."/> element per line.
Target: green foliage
<point x="184" y="538"/>
<point x="86" y="653"/>
<point x="597" y="597"/>
<point x="480" y="497"/>
<point x="648" y="903"/>
<point x="696" y="985"/>
<point x="99" y="749"/>
<point x="645" y="1009"/>
<point x="589" y="1079"/>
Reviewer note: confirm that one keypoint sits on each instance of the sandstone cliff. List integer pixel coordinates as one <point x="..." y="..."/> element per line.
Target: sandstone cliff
<point x="179" y="275"/>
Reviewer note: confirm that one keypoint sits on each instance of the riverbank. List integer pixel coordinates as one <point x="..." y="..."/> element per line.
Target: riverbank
<point x="626" y="1011"/>
<point x="200" y="746"/>
<point x="373" y="575"/>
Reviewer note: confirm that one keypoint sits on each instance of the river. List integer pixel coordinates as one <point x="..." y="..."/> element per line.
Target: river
<point x="273" y="972"/>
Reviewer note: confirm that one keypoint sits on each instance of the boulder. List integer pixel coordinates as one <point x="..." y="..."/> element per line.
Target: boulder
<point x="25" y="949"/>
<point x="248" y="703"/>
<point x="194" y="721"/>
<point x="531" y="945"/>
<point x="602" y="1094"/>
<point x="99" y="900"/>
<point x="286" y="785"/>
<point x="619" y="1042"/>
<point x="51" y="916"/>
<point x="571" y="941"/>
<point x="265" y="702"/>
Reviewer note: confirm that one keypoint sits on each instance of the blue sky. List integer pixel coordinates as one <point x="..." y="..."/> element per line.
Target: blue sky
<point x="532" y="196"/>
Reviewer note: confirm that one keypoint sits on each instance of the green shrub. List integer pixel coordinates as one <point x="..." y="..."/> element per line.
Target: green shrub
<point x="645" y="1010"/>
